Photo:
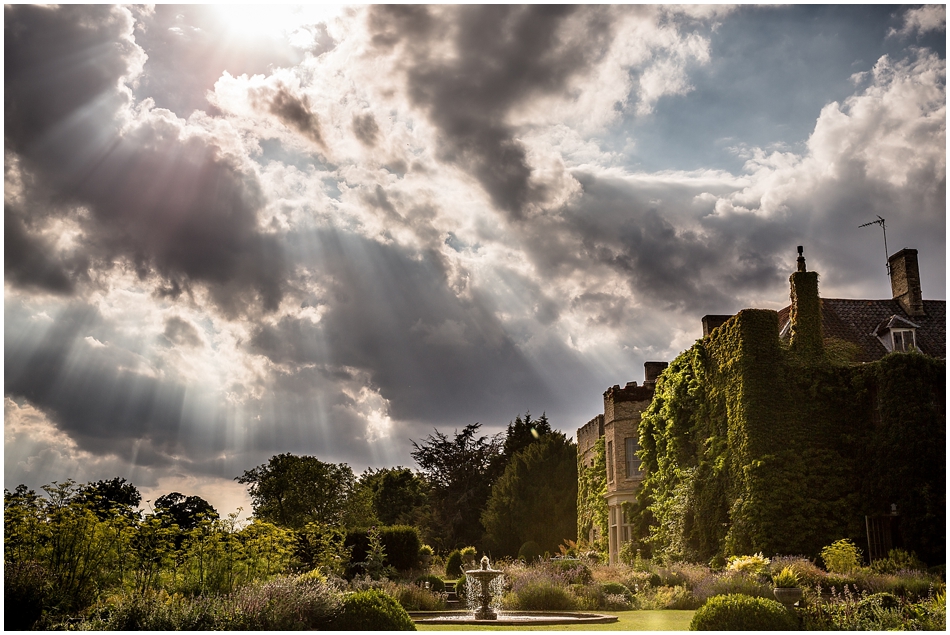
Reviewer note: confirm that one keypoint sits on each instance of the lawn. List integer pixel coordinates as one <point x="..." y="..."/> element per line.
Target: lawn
<point x="629" y="621"/>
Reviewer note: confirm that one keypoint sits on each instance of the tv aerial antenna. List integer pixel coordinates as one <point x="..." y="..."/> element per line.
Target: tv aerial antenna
<point x="880" y="221"/>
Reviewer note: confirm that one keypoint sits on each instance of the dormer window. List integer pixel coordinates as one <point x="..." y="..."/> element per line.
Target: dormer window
<point x="897" y="334"/>
<point x="903" y="340"/>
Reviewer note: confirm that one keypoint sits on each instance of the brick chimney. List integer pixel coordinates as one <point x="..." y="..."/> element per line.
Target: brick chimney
<point x="905" y="281"/>
<point x="805" y="313"/>
<point x="652" y="370"/>
<point x="712" y="322"/>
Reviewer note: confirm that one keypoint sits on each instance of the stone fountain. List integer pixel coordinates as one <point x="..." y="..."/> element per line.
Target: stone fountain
<point x="483" y="578"/>
<point x="481" y="594"/>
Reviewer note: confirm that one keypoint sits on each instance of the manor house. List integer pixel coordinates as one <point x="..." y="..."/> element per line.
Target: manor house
<point x="848" y="332"/>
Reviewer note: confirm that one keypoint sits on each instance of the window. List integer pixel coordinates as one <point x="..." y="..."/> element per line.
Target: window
<point x="610" y="460"/>
<point x="633" y="461"/>
<point x="903" y="339"/>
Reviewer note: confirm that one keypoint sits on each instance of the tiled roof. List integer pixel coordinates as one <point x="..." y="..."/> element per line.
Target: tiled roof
<point x="856" y="321"/>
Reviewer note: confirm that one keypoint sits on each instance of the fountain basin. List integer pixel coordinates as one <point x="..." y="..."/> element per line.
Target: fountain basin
<point x="512" y="618"/>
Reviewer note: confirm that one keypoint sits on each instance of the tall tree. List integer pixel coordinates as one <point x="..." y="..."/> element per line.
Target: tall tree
<point x="461" y="470"/>
<point x="523" y="432"/>
<point x="535" y="498"/>
<point x="400" y="496"/>
<point x="115" y="496"/>
<point x="185" y="511"/>
<point x="292" y="491"/>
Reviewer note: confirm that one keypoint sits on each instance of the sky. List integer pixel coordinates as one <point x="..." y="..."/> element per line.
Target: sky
<point x="233" y="232"/>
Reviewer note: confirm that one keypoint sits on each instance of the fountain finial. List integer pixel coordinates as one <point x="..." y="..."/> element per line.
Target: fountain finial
<point x="485" y="563"/>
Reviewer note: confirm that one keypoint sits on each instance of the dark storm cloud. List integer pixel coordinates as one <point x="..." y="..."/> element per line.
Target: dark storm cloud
<point x="181" y="332"/>
<point x="169" y="202"/>
<point x="366" y="129"/>
<point x="105" y="407"/>
<point x="667" y="246"/>
<point x="292" y="110"/>
<point x="504" y="56"/>
<point x="29" y="261"/>
<point x="392" y="315"/>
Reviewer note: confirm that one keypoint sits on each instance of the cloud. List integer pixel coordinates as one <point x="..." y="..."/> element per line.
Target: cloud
<point x="143" y="186"/>
<point x="292" y="110"/>
<point x="468" y="67"/>
<point x="366" y="129"/>
<point x="181" y="332"/>
<point x="923" y="20"/>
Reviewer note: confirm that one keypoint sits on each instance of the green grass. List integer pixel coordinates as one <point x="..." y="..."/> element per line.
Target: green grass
<point x="629" y="621"/>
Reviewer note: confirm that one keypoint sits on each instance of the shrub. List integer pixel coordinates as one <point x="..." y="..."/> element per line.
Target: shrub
<point x="731" y="584"/>
<point x="573" y="571"/>
<point x="284" y="603"/>
<point x="372" y="611"/>
<point x="453" y="565"/>
<point x="436" y="584"/>
<point x="785" y="578"/>
<point x="615" y="588"/>
<point x="401" y="544"/>
<point x="666" y="597"/>
<point x="538" y="594"/>
<point x="841" y="556"/>
<point x="530" y="551"/>
<point x="809" y="574"/>
<point x="468" y="556"/>
<point x="753" y="565"/>
<point x="414" y="598"/>
<point x="636" y="580"/>
<point x="157" y="611"/>
<point x="588" y="597"/>
<point x="875" y="612"/>
<point x="742" y="613"/>
<point x="28" y="587"/>
<point x="898" y="560"/>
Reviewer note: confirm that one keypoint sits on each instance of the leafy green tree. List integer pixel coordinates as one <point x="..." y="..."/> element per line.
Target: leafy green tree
<point x="400" y="496"/>
<point x="291" y="491"/>
<point x="523" y="432"/>
<point x="185" y="511"/>
<point x="535" y="499"/>
<point x="461" y="471"/>
<point x="106" y="498"/>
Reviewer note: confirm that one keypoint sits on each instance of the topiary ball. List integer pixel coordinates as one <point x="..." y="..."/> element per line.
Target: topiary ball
<point x="372" y="611"/>
<point x="738" y="612"/>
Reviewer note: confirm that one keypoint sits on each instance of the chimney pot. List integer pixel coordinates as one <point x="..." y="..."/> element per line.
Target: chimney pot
<point x="905" y="281"/>
<point x="711" y="322"/>
<point x="652" y="370"/>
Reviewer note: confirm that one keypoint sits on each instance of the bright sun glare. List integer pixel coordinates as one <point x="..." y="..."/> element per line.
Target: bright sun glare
<point x="276" y="21"/>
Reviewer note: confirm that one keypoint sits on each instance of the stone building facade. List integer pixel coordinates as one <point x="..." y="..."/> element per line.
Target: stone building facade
<point x="619" y="427"/>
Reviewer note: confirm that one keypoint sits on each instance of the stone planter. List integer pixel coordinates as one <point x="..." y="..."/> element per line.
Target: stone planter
<point x="787" y="595"/>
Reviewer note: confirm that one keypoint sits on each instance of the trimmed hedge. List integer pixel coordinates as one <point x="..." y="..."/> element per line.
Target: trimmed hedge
<point x="401" y="542"/>
<point x="742" y="613"/>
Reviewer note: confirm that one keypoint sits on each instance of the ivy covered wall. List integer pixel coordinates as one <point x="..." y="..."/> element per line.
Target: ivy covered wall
<point x="750" y="445"/>
<point x="591" y="501"/>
